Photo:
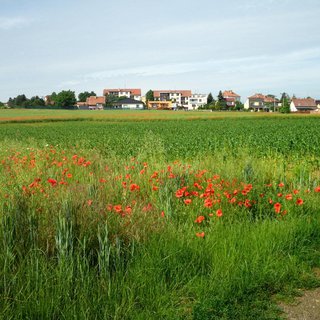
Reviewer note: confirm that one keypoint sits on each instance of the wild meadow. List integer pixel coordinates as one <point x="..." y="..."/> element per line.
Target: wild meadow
<point x="157" y="215"/>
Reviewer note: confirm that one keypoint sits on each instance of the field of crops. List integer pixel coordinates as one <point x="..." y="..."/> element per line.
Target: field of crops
<point x="175" y="215"/>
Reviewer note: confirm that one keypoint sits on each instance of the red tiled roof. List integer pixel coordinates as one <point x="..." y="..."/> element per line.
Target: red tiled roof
<point x="184" y="93"/>
<point x="308" y="102"/>
<point x="230" y="94"/>
<point x="258" y="96"/>
<point x="93" y="100"/>
<point x="134" y="92"/>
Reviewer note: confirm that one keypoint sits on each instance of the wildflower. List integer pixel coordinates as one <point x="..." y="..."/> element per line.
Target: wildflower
<point x="281" y="184"/>
<point x="208" y="203"/>
<point x="277" y="207"/>
<point x="180" y="192"/>
<point x="299" y="202"/>
<point x="128" y="210"/>
<point x="289" y="196"/>
<point x="134" y="186"/>
<point x="154" y="175"/>
<point x="187" y="201"/>
<point x="247" y="203"/>
<point x="200" y="234"/>
<point x="89" y="202"/>
<point x="69" y="175"/>
<point x="117" y="208"/>
<point x="53" y="182"/>
<point x="317" y="189"/>
<point x="199" y="219"/>
<point x="162" y="214"/>
<point x="219" y="213"/>
<point x="296" y="191"/>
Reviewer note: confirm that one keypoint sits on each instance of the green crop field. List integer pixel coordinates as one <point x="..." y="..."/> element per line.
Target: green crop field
<point x="156" y="215"/>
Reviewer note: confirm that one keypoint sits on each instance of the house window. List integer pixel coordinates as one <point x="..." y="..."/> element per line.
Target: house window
<point x="137" y="106"/>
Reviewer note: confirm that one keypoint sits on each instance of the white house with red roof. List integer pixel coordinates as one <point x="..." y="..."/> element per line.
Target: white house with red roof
<point x="231" y="98"/>
<point x="303" y="105"/>
<point x="180" y="97"/>
<point x="129" y="93"/>
<point x="261" y="102"/>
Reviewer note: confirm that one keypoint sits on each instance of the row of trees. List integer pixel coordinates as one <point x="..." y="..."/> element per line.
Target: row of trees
<point x="63" y="99"/>
<point x="21" y="101"/>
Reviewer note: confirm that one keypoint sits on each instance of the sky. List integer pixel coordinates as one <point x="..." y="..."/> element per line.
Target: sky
<point x="248" y="46"/>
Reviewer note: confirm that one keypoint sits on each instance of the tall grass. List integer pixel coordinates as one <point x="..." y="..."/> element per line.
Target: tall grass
<point x="68" y="251"/>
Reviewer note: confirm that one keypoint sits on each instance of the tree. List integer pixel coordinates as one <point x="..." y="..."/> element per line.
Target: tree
<point x="36" y="102"/>
<point x="210" y="98"/>
<point x="221" y="103"/>
<point x="2" y="105"/>
<point x="82" y="96"/>
<point x="65" y="99"/>
<point x="111" y="99"/>
<point x="239" y="105"/>
<point x="19" y="101"/>
<point x="149" y="96"/>
<point x="284" y="96"/>
<point x="285" y="103"/>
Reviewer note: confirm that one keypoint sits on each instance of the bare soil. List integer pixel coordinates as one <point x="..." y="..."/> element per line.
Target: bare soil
<point x="306" y="307"/>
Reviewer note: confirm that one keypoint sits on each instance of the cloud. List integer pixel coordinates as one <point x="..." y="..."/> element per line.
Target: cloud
<point x="11" y="23"/>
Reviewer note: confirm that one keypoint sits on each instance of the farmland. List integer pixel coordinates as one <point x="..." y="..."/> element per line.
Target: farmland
<point x="146" y="215"/>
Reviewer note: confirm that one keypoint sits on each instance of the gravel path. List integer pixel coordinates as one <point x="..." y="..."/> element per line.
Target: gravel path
<point x="306" y="307"/>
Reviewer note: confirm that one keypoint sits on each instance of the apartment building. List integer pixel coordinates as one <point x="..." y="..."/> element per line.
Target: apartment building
<point x="180" y="97"/>
<point x="196" y="100"/>
<point x="129" y="93"/>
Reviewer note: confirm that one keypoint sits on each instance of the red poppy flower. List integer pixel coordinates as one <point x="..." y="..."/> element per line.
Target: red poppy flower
<point x="289" y="196"/>
<point x="317" y="189"/>
<point x="53" y="182"/>
<point x="200" y="234"/>
<point x="281" y="184"/>
<point x="187" y="201"/>
<point x="219" y="213"/>
<point x="134" y="186"/>
<point x="199" y="219"/>
<point x="277" y="207"/>
<point x="299" y="202"/>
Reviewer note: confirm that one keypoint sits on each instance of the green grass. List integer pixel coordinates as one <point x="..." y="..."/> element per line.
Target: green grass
<point x="66" y="252"/>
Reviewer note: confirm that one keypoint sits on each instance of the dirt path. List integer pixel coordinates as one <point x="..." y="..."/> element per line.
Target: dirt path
<point x="306" y="307"/>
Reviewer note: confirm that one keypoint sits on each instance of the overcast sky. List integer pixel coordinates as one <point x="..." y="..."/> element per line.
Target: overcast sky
<point x="250" y="46"/>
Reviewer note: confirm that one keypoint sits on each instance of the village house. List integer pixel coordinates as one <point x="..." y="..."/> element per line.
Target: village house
<point x="128" y="103"/>
<point x="303" y="105"/>
<point x="92" y="103"/>
<point x="260" y="102"/>
<point x="129" y="93"/>
<point x="179" y="97"/>
<point x="197" y="100"/>
<point x="231" y="98"/>
<point x="96" y="103"/>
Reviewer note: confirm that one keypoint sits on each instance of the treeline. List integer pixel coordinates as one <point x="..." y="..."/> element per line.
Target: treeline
<point x="65" y="99"/>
